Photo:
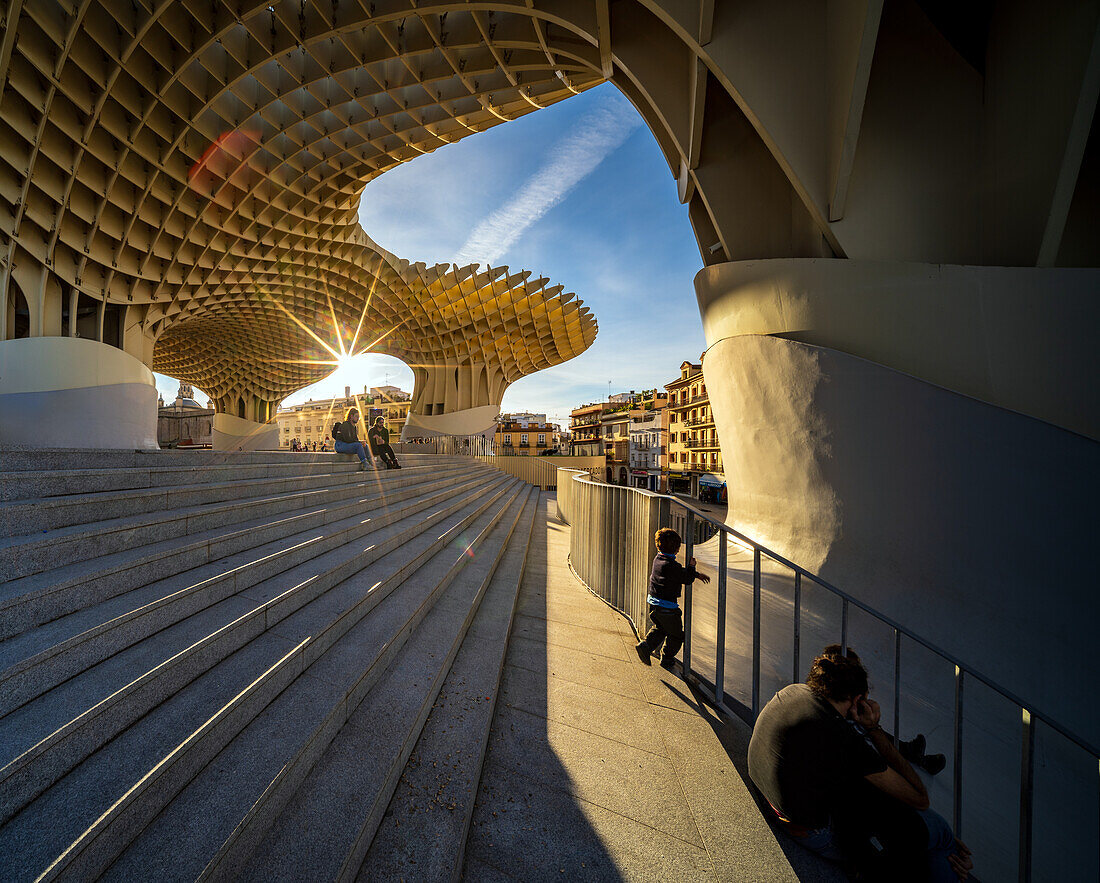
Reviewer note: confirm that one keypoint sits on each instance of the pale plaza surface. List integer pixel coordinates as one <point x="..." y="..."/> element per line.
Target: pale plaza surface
<point x="600" y="768"/>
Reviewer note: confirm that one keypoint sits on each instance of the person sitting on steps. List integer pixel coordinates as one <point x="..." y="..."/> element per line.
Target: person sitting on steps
<point x="849" y="796"/>
<point x="666" y="580"/>
<point x="346" y="438"/>
<point x="379" y="438"/>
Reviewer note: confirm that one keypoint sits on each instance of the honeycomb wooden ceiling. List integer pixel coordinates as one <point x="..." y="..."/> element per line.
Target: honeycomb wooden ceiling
<point x="202" y="161"/>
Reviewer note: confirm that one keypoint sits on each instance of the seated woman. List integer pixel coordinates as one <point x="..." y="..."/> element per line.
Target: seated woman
<point x="346" y="438"/>
<point x="379" y="438"/>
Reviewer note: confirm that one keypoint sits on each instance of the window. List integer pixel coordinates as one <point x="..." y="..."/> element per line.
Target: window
<point x="508" y="438"/>
<point x="523" y="439"/>
<point x="542" y="438"/>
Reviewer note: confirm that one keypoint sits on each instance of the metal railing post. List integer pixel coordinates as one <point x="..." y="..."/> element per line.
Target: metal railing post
<point x="755" y="632"/>
<point x="796" y="676"/>
<point x="720" y="641"/>
<point x="897" y="687"/>
<point x="1027" y="784"/>
<point x="956" y="797"/>
<point x="689" y="548"/>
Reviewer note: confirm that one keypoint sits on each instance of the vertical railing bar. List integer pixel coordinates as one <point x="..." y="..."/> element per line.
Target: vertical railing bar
<point x="844" y="625"/>
<point x="796" y="676"/>
<point x="1027" y="781"/>
<point x="897" y="687"/>
<point x="720" y="642"/>
<point x="755" y="631"/>
<point x="956" y="797"/>
<point x="689" y="549"/>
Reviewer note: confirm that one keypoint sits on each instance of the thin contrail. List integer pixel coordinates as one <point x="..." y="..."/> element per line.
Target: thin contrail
<point x="572" y="159"/>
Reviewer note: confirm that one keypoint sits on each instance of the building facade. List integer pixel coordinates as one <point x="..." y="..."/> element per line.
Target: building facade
<point x="184" y="422"/>
<point x="585" y="433"/>
<point x="648" y="451"/>
<point x="694" y="456"/>
<point x="525" y="435"/>
<point x="310" y="423"/>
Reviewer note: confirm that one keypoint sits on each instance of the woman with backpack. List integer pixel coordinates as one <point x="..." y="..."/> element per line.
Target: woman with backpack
<point x="345" y="438"/>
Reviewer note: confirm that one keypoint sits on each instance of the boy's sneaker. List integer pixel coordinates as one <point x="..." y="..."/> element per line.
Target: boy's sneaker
<point x="667" y="664"/>
<point x="643" y="652"/>
<point x="933" y="763"/>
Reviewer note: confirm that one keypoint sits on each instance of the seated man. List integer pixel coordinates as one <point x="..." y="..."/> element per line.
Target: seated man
<point x="379" y="438"/>
<point x="846" y="797"/>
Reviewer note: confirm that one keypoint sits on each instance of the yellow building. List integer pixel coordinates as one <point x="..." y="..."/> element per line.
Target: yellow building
<point x="525" y="435"/>
<point x="311" y="422"/>
<point x="694" y="457"/>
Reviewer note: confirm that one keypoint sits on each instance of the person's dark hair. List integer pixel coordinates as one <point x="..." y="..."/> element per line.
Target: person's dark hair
<point x="349" y="413"/>
<point x="667" y="540"/>
<point x="379" y="419"/>
<point x="837" y="677"/>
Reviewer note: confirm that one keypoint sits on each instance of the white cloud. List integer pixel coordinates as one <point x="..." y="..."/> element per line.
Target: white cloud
<point x="596" y="135"/>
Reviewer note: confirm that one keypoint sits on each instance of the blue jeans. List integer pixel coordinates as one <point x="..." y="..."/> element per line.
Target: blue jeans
<point x="356" y="448"/>
<point x="941" y="844"/>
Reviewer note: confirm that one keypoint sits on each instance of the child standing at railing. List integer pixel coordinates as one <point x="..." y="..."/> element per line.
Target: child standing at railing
<point x="666" y="580"/>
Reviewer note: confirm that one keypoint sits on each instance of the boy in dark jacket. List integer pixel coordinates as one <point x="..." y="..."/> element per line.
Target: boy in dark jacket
<point x="666" y="580"/>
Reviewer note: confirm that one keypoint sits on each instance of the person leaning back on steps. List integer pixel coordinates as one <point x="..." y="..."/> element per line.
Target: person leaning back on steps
<point x="346" y="438"/>
<point x="666" y="580"/>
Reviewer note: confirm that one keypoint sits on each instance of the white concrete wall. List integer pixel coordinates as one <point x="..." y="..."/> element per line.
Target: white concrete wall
<point x="971" y="524"/>
<point x="66" y="392"/>
<point x="232" y="433"/>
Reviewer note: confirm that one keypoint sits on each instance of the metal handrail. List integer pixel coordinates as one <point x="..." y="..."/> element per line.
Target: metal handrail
<point x="892" y="623"/>
<point x="623" y="587"/>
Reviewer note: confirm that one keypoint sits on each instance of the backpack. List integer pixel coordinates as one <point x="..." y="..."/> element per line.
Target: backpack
<point x="335" y="429"/>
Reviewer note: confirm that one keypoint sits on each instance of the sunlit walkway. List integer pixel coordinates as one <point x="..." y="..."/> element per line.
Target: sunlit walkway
<point x="599" y="768"/>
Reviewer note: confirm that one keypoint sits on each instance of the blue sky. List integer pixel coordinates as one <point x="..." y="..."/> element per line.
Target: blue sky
<point x="579" y="193"/>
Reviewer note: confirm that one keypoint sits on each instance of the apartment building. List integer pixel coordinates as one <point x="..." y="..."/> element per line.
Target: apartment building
<point x="648" y="450"/>
<point x="694" y="457"/>
<point x="585" y="432"/>
<point x="525" y="435"/>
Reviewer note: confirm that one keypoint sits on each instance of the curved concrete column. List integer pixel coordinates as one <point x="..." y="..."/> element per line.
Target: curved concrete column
<point x="471" y="421"/>
<point x="1017" y="337"/>
<point x="971" y="524"/>
<point x="66" y="392"/>
<point x="235" y="433"/>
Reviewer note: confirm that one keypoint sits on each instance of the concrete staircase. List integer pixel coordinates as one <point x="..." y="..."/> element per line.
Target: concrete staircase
<point x="217" y="666"/>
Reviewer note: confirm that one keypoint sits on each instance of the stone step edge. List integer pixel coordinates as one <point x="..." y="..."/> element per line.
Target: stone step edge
<point x="206" y="741"/>
<point x="480" y="737"/>
<point x="252" y="865"/>
<point x="72" y="505"/>
<point x="234" y="853"/>
<point x="89" y="531"/>
<point x="340" y="535"/>
<point x="51" y="580"/>
<point x="53" y="739"/>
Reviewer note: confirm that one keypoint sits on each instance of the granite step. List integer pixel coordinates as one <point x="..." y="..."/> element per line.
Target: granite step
<point x="77" y="827"/>
<point x="422" y="835"/>
<point x="29" y="554"/>
<point x="39" y="658"/>
<point x="46" y="483"/>
<point x="30" y="515"/>
<point x="41" y="597"/>
<point x="43" y="739"/>
<point x="229" y="807"/>
<point x="327" y="827"/>
<point x="16" y="458"/>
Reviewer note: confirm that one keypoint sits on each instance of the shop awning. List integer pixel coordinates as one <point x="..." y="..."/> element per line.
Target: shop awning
<point x="711" y="480"/>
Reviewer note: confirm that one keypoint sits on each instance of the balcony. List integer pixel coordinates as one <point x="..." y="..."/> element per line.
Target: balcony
<point x="701" y="444"/>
